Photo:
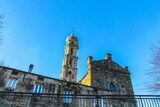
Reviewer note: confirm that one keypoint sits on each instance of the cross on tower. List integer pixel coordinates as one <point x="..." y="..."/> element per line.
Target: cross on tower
<point x="73" y="30"/>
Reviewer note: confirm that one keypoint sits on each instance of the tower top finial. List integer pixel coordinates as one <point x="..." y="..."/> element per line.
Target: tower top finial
<point x="73" y="31"/>
<point x="72" y="34"/>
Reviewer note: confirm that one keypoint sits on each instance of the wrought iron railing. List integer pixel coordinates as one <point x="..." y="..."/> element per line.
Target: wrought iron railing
<point x="18" y="99"/>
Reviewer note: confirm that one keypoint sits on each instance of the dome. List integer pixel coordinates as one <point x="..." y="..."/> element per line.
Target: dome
<point x="72" y="38"/>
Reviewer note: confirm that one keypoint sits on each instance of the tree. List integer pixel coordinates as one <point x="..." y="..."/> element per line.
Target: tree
<point x="154" y="72"/>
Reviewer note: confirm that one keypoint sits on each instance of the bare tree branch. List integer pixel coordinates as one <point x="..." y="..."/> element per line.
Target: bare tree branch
<point x="154" y="72"/>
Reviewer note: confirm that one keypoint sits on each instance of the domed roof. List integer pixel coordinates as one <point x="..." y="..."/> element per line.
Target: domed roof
<point x="72" y="37"/>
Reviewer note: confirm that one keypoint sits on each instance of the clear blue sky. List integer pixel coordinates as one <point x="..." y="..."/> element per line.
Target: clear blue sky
<point x="35" y="32"/>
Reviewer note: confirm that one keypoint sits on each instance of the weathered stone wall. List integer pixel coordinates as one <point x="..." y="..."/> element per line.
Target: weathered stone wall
<point x="26" y="82"/>
<point x="4" y="75"/>
<point x="106" y="71"/>
<point x="101" y="73"/>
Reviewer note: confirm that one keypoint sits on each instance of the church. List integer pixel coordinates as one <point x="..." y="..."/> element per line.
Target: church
<point x="104" y="78"/>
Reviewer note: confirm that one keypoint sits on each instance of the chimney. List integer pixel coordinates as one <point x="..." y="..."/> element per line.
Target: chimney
<point x="89" y="59"/>
<point x="30" y="68"/>
<point x="126" y="68"/>
<point x="109" y="56"/>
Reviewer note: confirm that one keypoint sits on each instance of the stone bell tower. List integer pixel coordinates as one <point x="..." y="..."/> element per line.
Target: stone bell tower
<point x="69" y="64"/>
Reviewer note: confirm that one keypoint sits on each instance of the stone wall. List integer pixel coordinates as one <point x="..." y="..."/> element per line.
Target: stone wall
<point x="105" y="72"/>
<point x="26" y="82"/>
<point x="102" y="73"/>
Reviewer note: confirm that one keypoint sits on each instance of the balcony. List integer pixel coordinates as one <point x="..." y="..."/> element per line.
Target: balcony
<point x="18" y="99"/>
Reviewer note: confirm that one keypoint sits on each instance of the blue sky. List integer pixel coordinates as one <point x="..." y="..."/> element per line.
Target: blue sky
<point x="35" y="32"/>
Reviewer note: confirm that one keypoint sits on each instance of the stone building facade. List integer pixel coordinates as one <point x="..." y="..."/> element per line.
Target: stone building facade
<point x="104" y="77"/>
<point x="107" y="74"/>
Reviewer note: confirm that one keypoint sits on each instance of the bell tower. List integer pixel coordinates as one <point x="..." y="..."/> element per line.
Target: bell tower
<point x="69" y="64"/>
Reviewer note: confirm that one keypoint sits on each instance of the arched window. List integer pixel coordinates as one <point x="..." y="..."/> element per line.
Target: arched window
<point x="71" y="51"/>
<point x="112" y="87"/>
<point x="70" y="62"/>
<point x="72" y="42"/>
<point x="69" y="73"/>
<point x="69" y="76"/>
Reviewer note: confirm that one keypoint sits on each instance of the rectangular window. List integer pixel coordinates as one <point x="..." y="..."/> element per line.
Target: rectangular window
<point x="98" y="102"/>
<point x="67" y="97"/>
<point x="11" y="83"/>
<point x="38" y="88"/>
